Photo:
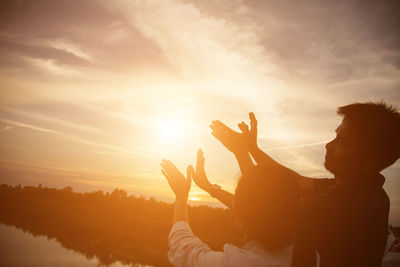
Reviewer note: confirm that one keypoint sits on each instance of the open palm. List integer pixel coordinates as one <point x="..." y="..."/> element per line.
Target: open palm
<point x="176" y="180"/>
<point x="236" y="141"/>
<point x="232" y="140"/>
<point x="200" y="177"/>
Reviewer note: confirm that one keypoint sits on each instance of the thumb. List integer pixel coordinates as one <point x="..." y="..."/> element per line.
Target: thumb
<point x="200" y="160"/>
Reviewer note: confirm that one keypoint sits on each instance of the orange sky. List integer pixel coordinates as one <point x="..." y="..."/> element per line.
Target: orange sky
<point x="94" y="94"/>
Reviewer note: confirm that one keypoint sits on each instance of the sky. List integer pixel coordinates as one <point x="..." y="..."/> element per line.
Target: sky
<point x="93" y="94"/>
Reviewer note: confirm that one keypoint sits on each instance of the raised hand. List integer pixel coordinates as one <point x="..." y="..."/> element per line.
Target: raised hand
<point x="178" y="183"/>
<point x="232" y="140"/>
<point x="250" y="135"/>
<point x="199" y="176"/>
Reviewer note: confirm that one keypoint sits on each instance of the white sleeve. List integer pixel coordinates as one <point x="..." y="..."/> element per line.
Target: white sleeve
<point x="186" y="249"/>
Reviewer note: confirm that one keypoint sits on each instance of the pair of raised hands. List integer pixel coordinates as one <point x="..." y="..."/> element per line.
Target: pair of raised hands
<point x="234" y="141"/>
<point x="180" y="184"/>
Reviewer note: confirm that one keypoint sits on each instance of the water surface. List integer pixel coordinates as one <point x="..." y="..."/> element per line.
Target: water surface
<point x="19" y="248"/>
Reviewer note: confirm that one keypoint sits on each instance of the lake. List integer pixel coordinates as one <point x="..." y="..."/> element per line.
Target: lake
<point x="19" y="248"/>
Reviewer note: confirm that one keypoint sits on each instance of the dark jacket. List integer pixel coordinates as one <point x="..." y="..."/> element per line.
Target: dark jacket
<point x="347" y="224"/>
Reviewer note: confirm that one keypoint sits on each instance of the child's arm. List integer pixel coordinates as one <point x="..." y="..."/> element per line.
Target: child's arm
<point x="185" y="249"/>
<point x="180" y="186"/>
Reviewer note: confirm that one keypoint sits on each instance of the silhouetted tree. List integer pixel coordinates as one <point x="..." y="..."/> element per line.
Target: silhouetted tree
<point x="112" y="226"/>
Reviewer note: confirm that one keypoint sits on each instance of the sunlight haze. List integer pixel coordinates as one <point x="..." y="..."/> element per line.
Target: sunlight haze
<point x="93" y="95"/>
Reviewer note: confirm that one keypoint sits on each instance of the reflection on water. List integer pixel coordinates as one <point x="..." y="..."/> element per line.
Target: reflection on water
<point x="19" y="248"/>
<point x="105" y="228"/>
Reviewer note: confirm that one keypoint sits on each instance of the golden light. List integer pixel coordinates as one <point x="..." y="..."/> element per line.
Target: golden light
<point x="194" y="198"/>
<point x="171" y="129"/>
<point x="173" y="126"/>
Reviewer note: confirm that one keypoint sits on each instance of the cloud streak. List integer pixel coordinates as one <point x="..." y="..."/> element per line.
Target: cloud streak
<point x="49" y="119"/>
<point x="29" y="126"/>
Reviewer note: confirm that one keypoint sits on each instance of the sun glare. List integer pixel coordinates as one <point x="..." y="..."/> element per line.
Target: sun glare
<point x="194" y="198"/>
<point x="171" y="130"/>
<point x="173" y="127"/>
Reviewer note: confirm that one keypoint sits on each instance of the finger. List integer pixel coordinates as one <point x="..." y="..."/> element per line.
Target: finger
<point x="163" y="165"/>
<point x="253" y="121"/>
<point x="165" y="162"/>
<point x="243" y="127"/>
<point x="223" y="127"/>
<point x="166" y="176"/>
<point x="167" y="166"/>
<point x="171" y="166"/>
<point x="252" y="116"/>
<point x="200" y="155"/>
<point x="213" y="127"/>
<point x="216" y="127"/>
<point x="220" y="127"/>
<point x="200" y="161"/>
<point x="240" y="125"/>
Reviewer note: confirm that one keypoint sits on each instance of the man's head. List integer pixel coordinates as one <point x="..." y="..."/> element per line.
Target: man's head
<point x="368" y="139"/>
<point x="264" y="205"/>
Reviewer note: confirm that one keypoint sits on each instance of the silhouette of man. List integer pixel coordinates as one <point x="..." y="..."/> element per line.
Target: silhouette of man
<point x="345" y="219"/>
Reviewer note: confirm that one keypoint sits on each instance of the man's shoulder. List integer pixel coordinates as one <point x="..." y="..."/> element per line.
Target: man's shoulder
<point x="347" y="208"/>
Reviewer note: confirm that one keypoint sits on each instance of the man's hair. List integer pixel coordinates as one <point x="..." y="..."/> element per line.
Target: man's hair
<point x="265" y="203"/>
<point x="378" y="127"/>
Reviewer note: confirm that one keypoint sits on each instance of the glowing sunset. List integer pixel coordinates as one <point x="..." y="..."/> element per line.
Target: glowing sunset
<point x="94" y="94"/>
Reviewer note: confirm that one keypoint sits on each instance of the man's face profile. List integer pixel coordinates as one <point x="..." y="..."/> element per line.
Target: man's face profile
<point x="343" y="154"/>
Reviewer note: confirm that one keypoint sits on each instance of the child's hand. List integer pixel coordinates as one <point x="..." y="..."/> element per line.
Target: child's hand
<point x="178" y="183"/>
<point x="200" y="177"/>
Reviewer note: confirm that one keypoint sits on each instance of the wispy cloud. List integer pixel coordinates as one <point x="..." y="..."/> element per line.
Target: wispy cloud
<point x="29" y="126"/>
<point x="126" y="151"/>
<point x="71" y="48"/>
<point x="6" y="128"/>
<point x="49" y="119"/>
<point x="131" y="152"/>
<point x="51" y="65"/>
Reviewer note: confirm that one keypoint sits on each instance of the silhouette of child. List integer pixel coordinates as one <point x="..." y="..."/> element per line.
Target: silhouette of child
<point x="264" y="207"/>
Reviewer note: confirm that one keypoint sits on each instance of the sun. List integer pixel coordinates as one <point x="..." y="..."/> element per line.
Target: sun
<point x="171" y="129"/>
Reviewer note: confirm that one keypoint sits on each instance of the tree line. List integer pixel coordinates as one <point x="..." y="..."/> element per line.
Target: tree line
<point x="109" y="226"/>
